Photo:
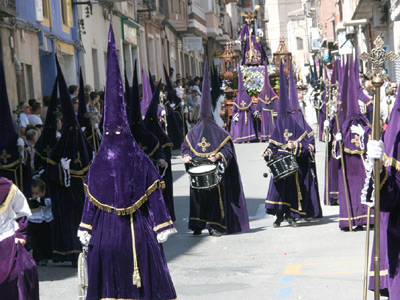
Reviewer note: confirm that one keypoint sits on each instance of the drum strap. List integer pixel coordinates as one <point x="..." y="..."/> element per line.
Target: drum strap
<point x="299" y="197"/>
<point x="136" y="275"/>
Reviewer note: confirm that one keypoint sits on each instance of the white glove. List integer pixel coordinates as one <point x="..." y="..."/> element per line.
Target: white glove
<point x="357" y="130"/>
<point x="143" y="117"/>
<point x="163" y="112"/>
<point x="83" y="128"/>
<point x="338" y="136"/>
<point x="65" y="163"/>
<point x="172" y="105"/>
<point x="326" y="124"/>
<point x="375" y="149"/>
<point x="362" y="106"/>
<point x="58" y="135"/>
<point x="236" y="117"/>
<point x="237" y="42"/>
<point x="260" y="32"/>
<point x="96" y="125"/>
<point x="20" y="142"/>
<point x="163" y="236"/>
<point x="183" y="103"/>
<point x="256" y="114"/>
<point x="84" y="237"/>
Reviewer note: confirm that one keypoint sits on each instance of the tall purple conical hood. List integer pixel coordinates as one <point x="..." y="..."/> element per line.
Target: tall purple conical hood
<point x="293" y="97"/>
<point x="48" y="138"/>
<point x="284" y="104"/>
<point x="267" y="93"/>
<point x="151" y="83"/>
<point x="119" y="163"/>
<point x="242" y="93"/>
<point x="352" y="99"/>
<point x="343" y="86"/>
<point x="286" y="123"/>
<point x="147" y="93"/>
<point x="83" y="116"/>
<point x="72" y="143"/>
<point x="135" y="108"/>
<point x="360" y="91"/>
<point x="205" y="105"/>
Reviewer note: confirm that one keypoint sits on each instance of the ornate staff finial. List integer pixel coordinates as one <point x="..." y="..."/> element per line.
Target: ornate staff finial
<point x="378" y="57"/>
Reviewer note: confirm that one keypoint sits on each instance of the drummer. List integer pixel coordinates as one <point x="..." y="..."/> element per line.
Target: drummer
<point x="288" y="198"/>
<point x="221" y="209"/>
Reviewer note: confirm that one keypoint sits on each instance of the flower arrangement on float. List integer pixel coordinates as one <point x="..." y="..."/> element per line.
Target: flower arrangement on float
<point x="253" y="77"/>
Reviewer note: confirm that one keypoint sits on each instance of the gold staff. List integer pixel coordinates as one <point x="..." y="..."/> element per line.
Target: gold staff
<point x="346" y="192"/>
<point x="377" y="57"/>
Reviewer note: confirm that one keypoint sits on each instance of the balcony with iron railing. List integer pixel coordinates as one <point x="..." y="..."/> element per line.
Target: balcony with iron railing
<point x="8" y="8"/>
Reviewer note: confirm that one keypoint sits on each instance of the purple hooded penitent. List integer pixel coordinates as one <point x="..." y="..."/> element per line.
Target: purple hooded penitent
<point x="222" y="208"/>
<point x="48" y="138"/>
<point x="65" y="187"/>
<point x="242" y="125"/>
<point x="153" y="125"/>
<point x="265" y="105"/>
<point x="253" y="51"/>
<point x="124" y="209"/>
<point x="9" y="154"/>
<point x="355" y="130"/>
<point x="286" y="195"/>
<point x="175" y="126"/>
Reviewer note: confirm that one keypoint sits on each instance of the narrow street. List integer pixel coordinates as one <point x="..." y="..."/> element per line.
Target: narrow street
<point x="312" y="262"/>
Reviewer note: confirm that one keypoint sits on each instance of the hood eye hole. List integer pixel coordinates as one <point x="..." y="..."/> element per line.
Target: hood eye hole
<point x="117" y="131"/>
<point x="107" y="131"/>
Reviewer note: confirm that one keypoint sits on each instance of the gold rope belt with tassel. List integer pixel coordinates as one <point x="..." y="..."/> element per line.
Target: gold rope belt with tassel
<point x="245" y="109"/>
<point x="136" y="274"/>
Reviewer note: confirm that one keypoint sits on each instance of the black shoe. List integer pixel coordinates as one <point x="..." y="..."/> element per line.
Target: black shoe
<point x="292" y="222"/>
<point x="197" y="232"/>
<point x="345" y="229"/>
<point x="214" y="232"/>
<point x="359" y="228"/>
<point x="277" y="222"/>
<point x="334" y="202"/>
<point x="371" y="226"/>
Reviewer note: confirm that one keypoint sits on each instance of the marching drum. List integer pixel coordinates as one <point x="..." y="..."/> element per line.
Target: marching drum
<point x="283" y="167"/>
<point x="204" y="177"/>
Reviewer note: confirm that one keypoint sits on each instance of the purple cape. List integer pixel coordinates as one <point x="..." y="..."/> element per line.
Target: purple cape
<point x="227" y="211"/>
<point x="253" y="51"/>
<point x="243" y="129"/>
<point x="67" y="197"/>
<point x="124" y="209"/>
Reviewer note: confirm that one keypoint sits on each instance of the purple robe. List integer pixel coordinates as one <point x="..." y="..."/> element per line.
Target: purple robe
<point x="266" y="102"/>
<point x="18" y="273"/>
<point x="66" y="191"/>
<point x="243" y="129"/>
<point x="253" y="52"/>
<point x="124" y="209"/>
<point x="222" y="208"/>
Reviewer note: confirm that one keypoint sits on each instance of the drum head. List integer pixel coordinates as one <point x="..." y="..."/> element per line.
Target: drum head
<point x="202" y="169"/>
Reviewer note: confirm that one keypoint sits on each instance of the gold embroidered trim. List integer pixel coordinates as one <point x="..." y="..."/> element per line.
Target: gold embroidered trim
<point x="209" y="153"/>
<point x="7" y="201"/>
<point x="128" y="210"/>
<point x="310" y="134"/>
<point x="287" y="204"/>
<point x="267" y="102"/>
<point x="165" y="224"/>
<point x="167" y="145"/>
<point x="221" y="205"/>
<point x="299" y="150"/>
<point x="334" y="193"/>
<point x="9" y="166"/>
<point x="244" y="107"/>
<point x="211" y="223"/>
<point x="281" y="144"/>
<point x="244" y="137"/>
<point x="154" y="150"/>
<point x="72" y="172"/>
<point x="355" y="218"/>
<point x="223" y="156"/>
<point x="66" y="253"/>
<point x="391" y="162"/>
<point x="84" y="225"/>
<point x="299" y="197"/>
<point x="358" y="152"/>
<point x="384" y="180"/>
